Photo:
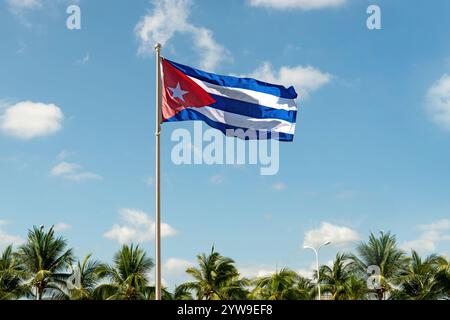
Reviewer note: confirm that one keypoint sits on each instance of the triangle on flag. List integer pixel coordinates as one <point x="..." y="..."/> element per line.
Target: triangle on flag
<point x="180" y="92"/>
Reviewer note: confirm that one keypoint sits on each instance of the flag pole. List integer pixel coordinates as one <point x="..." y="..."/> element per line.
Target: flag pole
<point x="158" y="175"/>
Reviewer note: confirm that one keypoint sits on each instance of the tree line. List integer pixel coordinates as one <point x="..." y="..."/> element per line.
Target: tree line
<point x="45" y="268"/>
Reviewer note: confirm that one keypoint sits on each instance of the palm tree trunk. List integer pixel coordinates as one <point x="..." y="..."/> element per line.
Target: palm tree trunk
<point x="380" y="294"/>
<point x="40" y="291"/>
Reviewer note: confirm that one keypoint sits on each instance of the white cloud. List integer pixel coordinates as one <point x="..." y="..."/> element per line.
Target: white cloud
<point x="304" y="78"/>
<point x="255" y="271"/>
<point x="217" y="179"/>
<point x="24" y="9"/>
<point x="297" y="4"/>
<point x="279" y="186"/>
<point x="83" y="176"/>
<point x="338" y="235"/>
<point x="306" y="273"/>
<point x="64" y="168"/>
<point x="309" y="272"/>
<point x="438" y="102"/>
<point x="18" y="5"/>
<point x="64" y="154"/>
<point x="27" y="120"/>
<point x="62" y="226"/>
<point x="439" y="225"/>
<point x="137" y="226"/>
<point x="85" y="59"/>
<point x="170" y="17"/>
<point x="430" y="237"/>
<point x="72" y="172"/>
<point x="177" y="266"/>
<point x="7" y="239"/>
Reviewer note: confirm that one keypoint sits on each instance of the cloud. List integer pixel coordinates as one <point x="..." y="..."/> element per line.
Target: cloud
<point x="83" y="176"/>
<point x="24" y="9"/>
<point x="60" y="227"/>
<point x="85" y="59"/>
<point x="7" y="239"/>
<point x="338" y="235"/>
<point x="304" y="78"/>
<point x="64" y="154"/>
<point x="72" y="172"/>
<point x="279" y="186"/>
<point x="137" y="226"/>
<point x="256" y="271"/>
<point x="217" y="179"/>
<point x="64" y="168"/>
<point x="177" y="266"/>
<point x="306" y="273"/>
<point x="20" y="5"/>
<point x="297" y="4"/>
<point x="438" y="102"/>
<point x="170" y="17"/>
<point x="431" y="235"/>
<point x="27" y="120"/>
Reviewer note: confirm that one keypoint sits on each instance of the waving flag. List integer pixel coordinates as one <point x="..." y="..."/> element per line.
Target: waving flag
<point x="241" y="107"/>
<point x="224" y="102"/>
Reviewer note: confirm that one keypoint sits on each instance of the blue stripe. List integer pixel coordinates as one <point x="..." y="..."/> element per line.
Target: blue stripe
<point x="234" y="82"/>
<point x="252" y="110"/>
<point x="190" y="114"/>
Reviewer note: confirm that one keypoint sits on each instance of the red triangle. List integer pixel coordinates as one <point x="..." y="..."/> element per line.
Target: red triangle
<point x="180" y="92"/>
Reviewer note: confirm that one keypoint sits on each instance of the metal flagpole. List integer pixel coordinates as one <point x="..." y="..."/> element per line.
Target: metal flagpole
<point x="158" y="178"/>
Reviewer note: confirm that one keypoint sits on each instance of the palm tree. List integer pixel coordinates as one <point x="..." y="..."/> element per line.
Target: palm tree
<point x="356" y="288"/>
<point x="419" y="281"/>
<point x="84" y="280"/>
<point x="305" y="289"/>
<point x="216" y="278"/>
<point x="45" y="259"/>
<point x="339" y="280"/>
<point x="11" y="277"/>
<point x="444" y="275"/>
<point x="383" y="253"/>
<point x="285" y="284"/>
<point x="150" y="293"/>
<point x="181" y="293"/>
<point x="128" y="275"/>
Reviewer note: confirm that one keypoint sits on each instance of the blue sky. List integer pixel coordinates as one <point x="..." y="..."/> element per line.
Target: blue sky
<point x="371" y="150"/>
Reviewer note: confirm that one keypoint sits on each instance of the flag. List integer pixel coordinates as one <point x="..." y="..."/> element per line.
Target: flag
<point x="261" y="110"/>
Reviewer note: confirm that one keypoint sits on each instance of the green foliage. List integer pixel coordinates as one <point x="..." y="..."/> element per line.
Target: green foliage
<point x="11" y="275"/>
<point x="339" y="280"/>
<point x="420" y="279"/>
<point x="285" y="284"/>
<point x="45" y="259"/>
<point x="43" y="268"/>
<point x="384" y="253"/>
<point x="216" y="278"/>
<point x="128" y="276"/>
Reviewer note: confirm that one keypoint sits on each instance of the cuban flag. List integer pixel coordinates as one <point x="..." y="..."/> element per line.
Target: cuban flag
<point x="260" y="110"/>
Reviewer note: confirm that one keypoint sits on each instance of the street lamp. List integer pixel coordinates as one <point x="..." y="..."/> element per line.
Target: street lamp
<point x="316" y="251"/>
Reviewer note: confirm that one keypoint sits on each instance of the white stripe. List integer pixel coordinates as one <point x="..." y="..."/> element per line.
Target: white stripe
<point x="247" y="95"/>
<point x="241" y="121"/>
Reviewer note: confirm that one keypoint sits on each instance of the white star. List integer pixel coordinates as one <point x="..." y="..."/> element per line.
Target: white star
<point x="177" y="92"/>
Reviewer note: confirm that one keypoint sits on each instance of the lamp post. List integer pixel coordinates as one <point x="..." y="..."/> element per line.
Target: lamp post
<point x="316" y="251"/>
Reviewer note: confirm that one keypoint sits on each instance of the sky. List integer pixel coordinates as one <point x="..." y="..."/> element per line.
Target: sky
<point x="371" y="151"/>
